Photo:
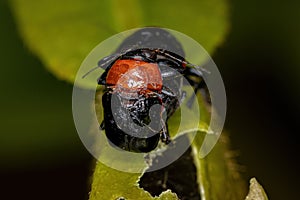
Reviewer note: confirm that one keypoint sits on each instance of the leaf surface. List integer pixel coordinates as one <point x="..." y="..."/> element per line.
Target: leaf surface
<point x="62" y="33"/>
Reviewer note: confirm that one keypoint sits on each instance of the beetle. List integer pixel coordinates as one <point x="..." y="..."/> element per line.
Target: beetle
<point x="137" y="80"/>
<point x="144" y="74"/>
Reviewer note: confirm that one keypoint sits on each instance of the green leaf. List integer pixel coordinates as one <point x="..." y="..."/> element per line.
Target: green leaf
<point x="217" y="173"/>
<point x="256" y="191"/>
<point x="62" y="33"/>
<point x="109" y="184"/>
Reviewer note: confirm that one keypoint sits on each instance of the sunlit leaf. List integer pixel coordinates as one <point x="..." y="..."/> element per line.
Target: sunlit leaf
<point x="109" y="184"/>
<point x="62" y="33"/>
<point x="256" y="191"/>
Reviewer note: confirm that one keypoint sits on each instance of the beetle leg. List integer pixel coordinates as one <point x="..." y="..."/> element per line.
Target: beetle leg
<point x="164" y="135"/>
<point x="167" y="54"/>
<point x="169" y="74"/>
<point x="102" y="125"/>
<point x="183" y="96"/>
<point x="167" y="91"/>
<point x="195" y="78"/>
<point x="102" y="79"/>
<point x="198" y="86"/>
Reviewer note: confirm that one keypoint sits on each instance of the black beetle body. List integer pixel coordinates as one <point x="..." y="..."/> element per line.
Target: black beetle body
<point x="138" y="104"/>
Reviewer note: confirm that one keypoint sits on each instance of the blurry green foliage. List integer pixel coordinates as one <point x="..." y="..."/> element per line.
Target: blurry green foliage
<point x="36" y="119"/>
<point x="62" y="33"/>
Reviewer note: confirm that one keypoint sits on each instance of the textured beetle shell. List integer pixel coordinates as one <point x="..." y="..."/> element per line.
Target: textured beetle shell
<point x="134" y="76"/>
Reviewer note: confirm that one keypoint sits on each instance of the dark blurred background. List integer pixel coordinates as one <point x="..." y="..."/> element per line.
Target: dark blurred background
<point x="260" y="65"/>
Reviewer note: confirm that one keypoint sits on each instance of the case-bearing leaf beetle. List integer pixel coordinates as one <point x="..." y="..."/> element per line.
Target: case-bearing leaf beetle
<point x="139" y="79"/>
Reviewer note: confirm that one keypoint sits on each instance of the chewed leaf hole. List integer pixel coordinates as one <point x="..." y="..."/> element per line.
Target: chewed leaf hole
<point x="180" y="177"/>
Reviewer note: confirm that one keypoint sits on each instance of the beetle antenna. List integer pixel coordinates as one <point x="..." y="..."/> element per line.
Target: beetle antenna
<point x="103" y="63"/>
<point x="91" y="70"/>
